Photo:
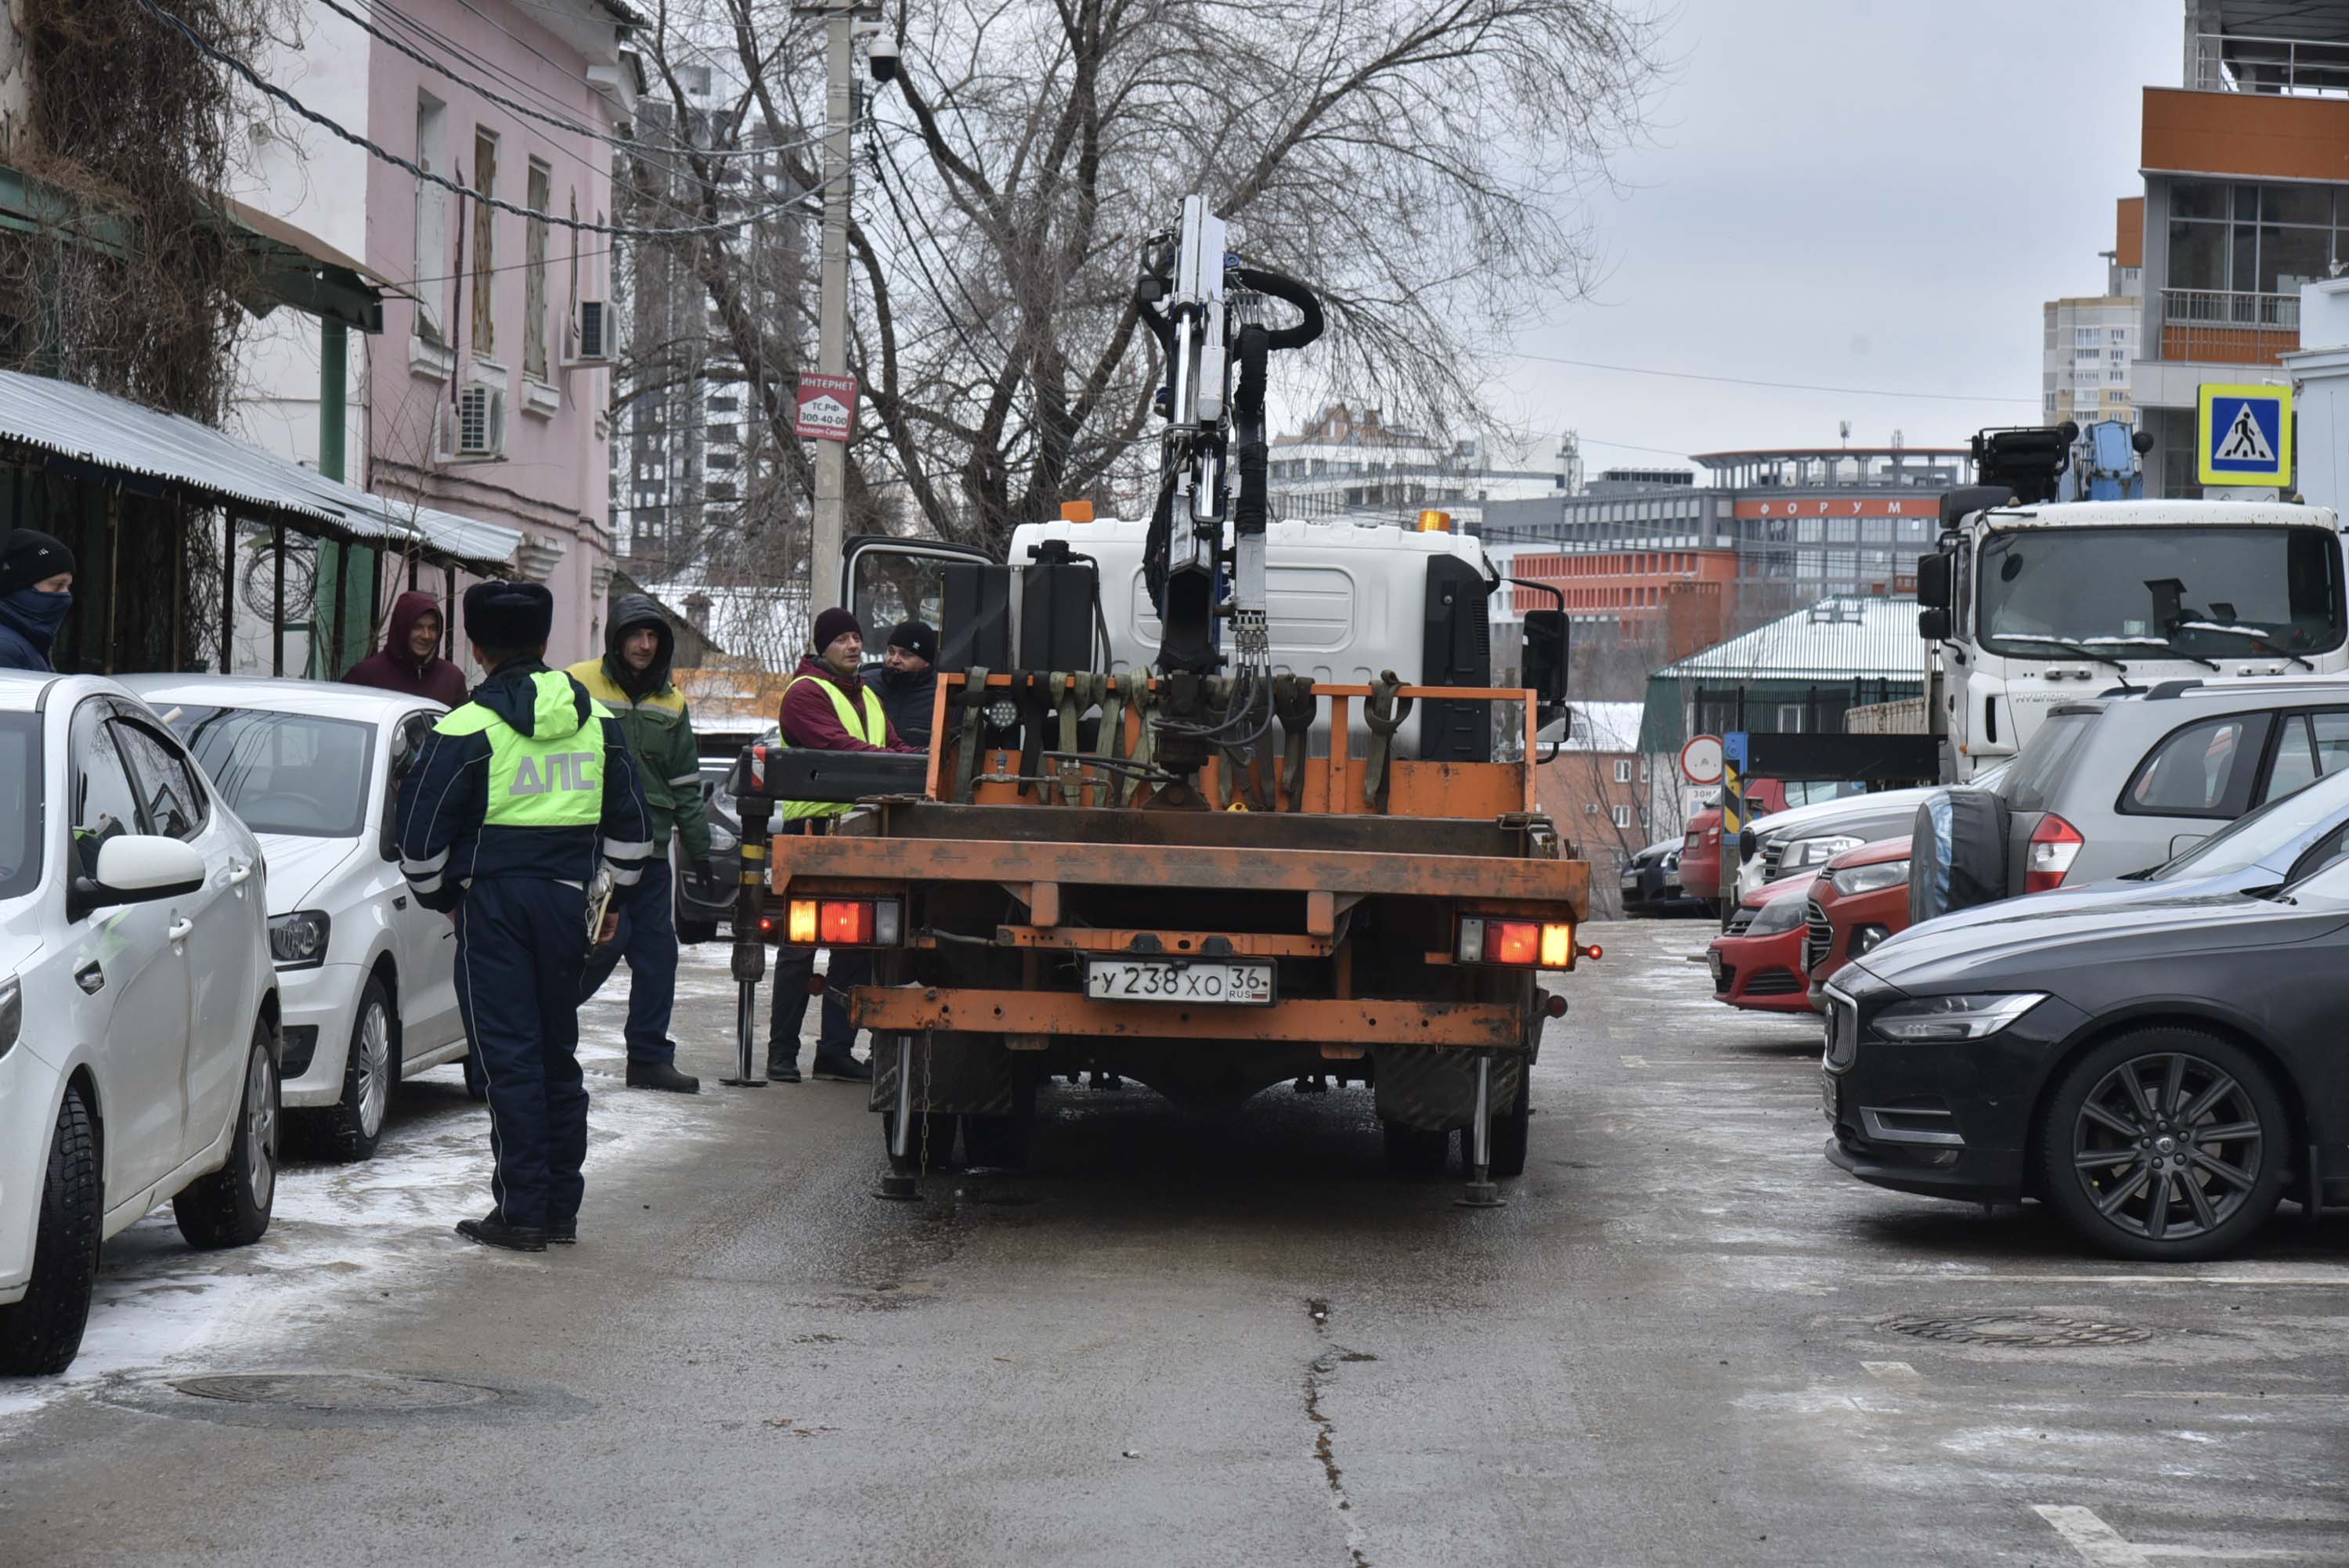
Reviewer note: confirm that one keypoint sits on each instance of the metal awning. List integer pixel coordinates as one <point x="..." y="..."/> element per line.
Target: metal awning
<point x="81" y="429"/>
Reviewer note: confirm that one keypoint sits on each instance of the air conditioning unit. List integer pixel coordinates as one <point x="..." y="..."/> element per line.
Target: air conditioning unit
<point x="473" y="429"/>
<point x="591" y="334"/>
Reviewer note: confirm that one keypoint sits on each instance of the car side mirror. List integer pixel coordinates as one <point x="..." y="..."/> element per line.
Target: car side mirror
<point x="140" y="867"/>
<point x="1748" y="844"/>
<point x="1548" y="656"/>
<point x="1933" y="581"/>
<point x="1933" y="626"/>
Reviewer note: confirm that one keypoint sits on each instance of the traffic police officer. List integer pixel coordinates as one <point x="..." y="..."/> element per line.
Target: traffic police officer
<point x="516" y="799"/>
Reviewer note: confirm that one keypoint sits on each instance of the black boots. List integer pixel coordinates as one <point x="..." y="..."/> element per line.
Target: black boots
<point x="662" y="1075"/>
<point x="493" y="1232"/>
<point x="563" y="1233"/>
<point x="783" y="1070"/>
<point x="841" y="1069"/>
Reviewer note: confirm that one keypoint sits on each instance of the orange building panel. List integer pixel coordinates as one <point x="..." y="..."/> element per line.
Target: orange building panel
<point x="2253" y="136"/>
<point x="2128" y="233"/>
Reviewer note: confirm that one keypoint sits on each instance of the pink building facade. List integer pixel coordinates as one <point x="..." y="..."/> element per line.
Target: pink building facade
<point x="488" y="392"/>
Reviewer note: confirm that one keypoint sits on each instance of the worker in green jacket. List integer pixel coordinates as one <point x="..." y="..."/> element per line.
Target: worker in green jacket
<point x="632" y="679"/>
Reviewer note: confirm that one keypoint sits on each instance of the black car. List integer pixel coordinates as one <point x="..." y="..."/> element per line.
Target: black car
<point x="706" y="912"/>
<point x="1651" y="884"/>
<point x="2161" y="1072"/>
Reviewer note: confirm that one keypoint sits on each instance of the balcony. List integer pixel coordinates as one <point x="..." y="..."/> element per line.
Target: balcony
<point x="2289" y="67"/>
<point x="2216" y="326"/>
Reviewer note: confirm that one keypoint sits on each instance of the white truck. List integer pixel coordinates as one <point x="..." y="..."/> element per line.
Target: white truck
<point x="2027" y="605"/>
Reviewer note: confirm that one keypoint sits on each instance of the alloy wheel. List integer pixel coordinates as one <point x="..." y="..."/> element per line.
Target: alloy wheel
<point x="374" y="1069"/>
<point x="2169" y="1146"/>
<point x="259" y="1129"/>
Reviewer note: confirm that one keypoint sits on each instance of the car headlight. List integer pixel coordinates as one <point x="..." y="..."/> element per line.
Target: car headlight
<point x="721" y="841"/>
<point x="298" y="941"/>
<point x="12" y="1013"/>
<point x="1871" y="878"/>
<point x="1817" y="851"/>
<point x="1781" y="913"/>
<point x="1940" y="1018"/>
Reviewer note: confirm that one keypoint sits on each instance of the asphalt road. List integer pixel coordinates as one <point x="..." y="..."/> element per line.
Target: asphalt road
<point x="1185" y="1342"/>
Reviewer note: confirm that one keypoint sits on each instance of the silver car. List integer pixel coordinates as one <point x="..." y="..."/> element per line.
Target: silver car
<point x="2118" y="784"/>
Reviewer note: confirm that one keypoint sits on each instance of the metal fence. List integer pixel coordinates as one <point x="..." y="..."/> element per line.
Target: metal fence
<point x="2297" y="67"/>
<point x="2219" y="326"/>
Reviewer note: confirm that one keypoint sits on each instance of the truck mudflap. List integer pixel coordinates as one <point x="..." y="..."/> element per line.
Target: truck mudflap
<point x="953" y="1073"/>
<point x="1435" y="1089"/>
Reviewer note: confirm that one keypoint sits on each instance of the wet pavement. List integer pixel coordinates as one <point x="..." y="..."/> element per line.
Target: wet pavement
<point x="1184" y="1340"/>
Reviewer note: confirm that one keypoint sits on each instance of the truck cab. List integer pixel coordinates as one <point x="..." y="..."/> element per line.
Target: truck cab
<point x="2028" y="606"/>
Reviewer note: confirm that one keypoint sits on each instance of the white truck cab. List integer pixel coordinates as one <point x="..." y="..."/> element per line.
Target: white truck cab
<point x="2029" y="606"/>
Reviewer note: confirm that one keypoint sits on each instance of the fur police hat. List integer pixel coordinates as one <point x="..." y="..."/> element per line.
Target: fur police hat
<point x="509" y="615"/>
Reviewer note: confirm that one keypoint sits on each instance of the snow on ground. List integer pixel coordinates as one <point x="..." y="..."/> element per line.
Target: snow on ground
<point x="340" y="1234"/>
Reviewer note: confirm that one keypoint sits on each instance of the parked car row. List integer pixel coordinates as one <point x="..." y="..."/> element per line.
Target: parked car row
<point x="2105" y="982"/>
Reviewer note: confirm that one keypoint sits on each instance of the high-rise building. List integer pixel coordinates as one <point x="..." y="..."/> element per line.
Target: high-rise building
<point x="2091" y="341"/>
<point x="1353" y="465"/>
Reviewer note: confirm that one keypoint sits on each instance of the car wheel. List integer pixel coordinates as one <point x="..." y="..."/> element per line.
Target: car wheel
<point x="2168" y="1144"/>
<point x="230" y="1207"/>
<point x="352" y="1127"/>
<point x="41" y="1333"/>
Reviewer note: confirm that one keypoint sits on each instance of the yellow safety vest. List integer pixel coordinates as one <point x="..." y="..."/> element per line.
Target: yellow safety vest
<point x="874" y="731"/>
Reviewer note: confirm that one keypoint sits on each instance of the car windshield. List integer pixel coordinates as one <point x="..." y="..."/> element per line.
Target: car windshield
<point x="2273" y="828"/>
<point x="2160" y="593"/>
<point x="289" y="773"/>
<point x="20" y="803"/>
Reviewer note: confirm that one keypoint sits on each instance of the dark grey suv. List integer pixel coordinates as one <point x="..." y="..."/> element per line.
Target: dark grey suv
<point x="2120" y="783"/>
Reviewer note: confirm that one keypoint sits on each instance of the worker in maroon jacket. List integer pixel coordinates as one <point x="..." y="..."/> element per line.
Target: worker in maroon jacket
<point x="828" y="708"/>
<point x="410" y="662"/>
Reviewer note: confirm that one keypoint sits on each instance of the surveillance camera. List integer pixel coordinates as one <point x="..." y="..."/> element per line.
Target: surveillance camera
<point x="880" y="55"/>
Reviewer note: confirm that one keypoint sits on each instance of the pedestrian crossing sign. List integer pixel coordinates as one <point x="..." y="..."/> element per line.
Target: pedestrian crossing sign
<point x="2243" y="436"/>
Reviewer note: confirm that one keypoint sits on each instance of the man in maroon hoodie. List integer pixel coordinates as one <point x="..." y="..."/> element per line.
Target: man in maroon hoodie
<point x="410" y="662"/>
<point x="826" y="707"/>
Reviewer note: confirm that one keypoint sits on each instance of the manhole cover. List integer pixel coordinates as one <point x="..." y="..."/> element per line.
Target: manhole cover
<point x="2024" y="1330"/>
<point x="337" y="1391"/>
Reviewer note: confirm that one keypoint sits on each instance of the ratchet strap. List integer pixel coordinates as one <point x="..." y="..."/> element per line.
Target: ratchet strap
<point x="1134" y="687"/>
<point x="1385" y="713"/>
<point x="974" y="731"/>
<point x="1293" y="705"/>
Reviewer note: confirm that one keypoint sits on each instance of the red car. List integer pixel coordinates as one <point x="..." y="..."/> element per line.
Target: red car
<point x="1757" y="961"/>
<point x="1861" y="898"/>
<point x="1701" y="849"/>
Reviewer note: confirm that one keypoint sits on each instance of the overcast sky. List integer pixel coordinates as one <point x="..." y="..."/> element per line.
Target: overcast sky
<point x="1863" y="193"/>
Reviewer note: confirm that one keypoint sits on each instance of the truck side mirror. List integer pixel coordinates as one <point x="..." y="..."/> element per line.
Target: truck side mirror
<point x="1748" y="844"/>
<point x="1933" y="626"/>
<point x="1933" y="581"/>
<point x="1548" y="653"/>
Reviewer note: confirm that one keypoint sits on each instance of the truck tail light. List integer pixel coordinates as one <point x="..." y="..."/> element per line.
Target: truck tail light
<point x="2055" y="845"/>
<point x="846" y="923"/>
<point x="1521" y="943"/>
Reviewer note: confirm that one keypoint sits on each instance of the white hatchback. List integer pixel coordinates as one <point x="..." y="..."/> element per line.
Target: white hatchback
<point x="138" y="1007"/>
<point x="368" y="975"/>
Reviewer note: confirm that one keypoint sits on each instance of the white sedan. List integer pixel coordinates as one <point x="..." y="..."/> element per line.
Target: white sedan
<point x="138" y="1011"/>
<point x="368" y="975"/>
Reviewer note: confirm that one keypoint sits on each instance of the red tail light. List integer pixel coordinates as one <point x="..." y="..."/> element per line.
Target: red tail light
<point x="2055" y="845"/>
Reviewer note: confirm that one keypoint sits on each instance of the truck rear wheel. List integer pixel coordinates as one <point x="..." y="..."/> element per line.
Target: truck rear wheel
<point x="1002" y="1140"/>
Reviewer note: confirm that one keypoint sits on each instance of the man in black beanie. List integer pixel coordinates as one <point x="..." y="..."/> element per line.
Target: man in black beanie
<point x="37" y="575"/>
<point x="516" y="799"/>
<point x="907" y="682"/>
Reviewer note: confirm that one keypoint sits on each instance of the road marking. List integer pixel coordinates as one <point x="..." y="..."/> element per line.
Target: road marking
<point x="1635" y="1061"/>
<point x="1891" y="1370"/>
<point x="2098" y="1543"/>
<point x="2235" y="1553"/>
<point x="2338" y="1281"/>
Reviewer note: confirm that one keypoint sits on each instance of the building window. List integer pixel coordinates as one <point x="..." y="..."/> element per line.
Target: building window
<point x="484" y="258"/>
<point x="1622" y="815"/>
<point x="1790" y="718"/>
<point x="431" y="217"/>
<point x="2084" y="337"/>
<point x="1623" y="770"/>
<point x="534" y="274"/>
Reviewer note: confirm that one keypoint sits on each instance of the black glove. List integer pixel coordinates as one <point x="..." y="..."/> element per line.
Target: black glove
<point x="706" y="872"/>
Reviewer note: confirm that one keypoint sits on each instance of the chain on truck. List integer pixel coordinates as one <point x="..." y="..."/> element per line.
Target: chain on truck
<point x="1214" y="802"/>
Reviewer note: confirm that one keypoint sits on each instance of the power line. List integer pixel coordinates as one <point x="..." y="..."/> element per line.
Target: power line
<point x="1777" y="385"/>
<point x="573" y="127"/>
<point x="578" y="225"/>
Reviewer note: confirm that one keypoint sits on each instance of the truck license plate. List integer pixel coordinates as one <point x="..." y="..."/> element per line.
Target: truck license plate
<point x="1247" y="983"/>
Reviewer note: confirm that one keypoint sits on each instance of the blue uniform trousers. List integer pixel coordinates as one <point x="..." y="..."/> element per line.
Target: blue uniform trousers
<point x="647" y="940"/>
<point x="521" y="944"/>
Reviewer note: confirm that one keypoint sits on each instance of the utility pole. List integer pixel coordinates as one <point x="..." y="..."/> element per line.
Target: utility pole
<point x="829" y="519"/>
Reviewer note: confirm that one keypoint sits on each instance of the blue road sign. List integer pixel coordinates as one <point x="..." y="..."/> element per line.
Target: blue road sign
<point x="2243" y="436"/>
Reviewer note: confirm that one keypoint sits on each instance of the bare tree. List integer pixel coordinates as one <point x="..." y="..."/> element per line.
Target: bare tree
<point x="1418" y="162"/>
